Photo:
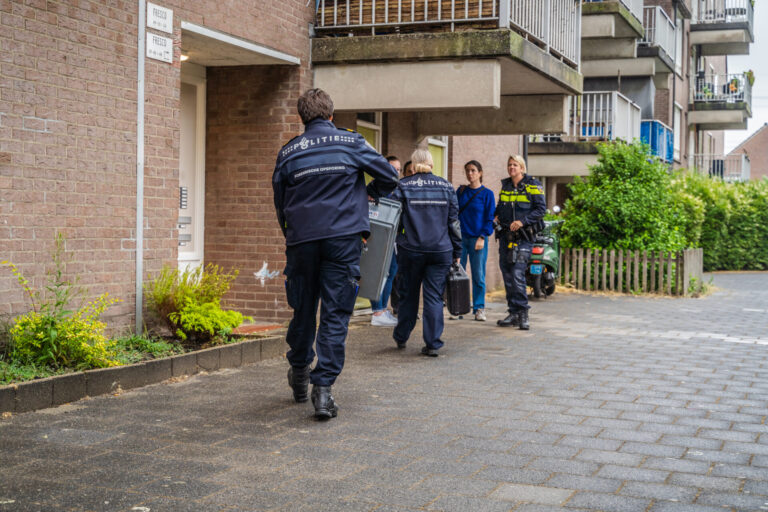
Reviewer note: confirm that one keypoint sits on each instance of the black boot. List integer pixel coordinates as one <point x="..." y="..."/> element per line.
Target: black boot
<point x="512" y="320"/>
<point x="325" y="406"/>
<point x="523" y="320"/>
<point x="298" y="379"/>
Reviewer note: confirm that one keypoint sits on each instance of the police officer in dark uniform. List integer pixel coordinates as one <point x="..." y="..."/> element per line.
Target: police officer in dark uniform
<point x="519" y="215"/>
<point x="322" y="207"/>
<point x="428" y="242"/>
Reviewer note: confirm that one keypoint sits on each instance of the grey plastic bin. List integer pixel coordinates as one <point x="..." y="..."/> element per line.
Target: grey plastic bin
<point x="374" y="263"/>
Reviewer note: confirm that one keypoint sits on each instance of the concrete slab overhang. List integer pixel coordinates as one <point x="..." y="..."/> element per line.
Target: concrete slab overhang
<point x="516" y="115"/>
<point x="561" y="158"/>
<point x="640" y="66"/>
<point x="521" y="68"/>
<point x="609" y="20"/>
<point x="722" y="38"/>
<point x="208" y="47"/>
<point x="719" y="116"/>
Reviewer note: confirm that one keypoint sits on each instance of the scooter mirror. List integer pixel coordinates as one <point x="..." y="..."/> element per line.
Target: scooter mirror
<point x="556" y="209"/>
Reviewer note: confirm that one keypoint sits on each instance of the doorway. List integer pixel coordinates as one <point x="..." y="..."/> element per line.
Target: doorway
<point x="191" y="220"/>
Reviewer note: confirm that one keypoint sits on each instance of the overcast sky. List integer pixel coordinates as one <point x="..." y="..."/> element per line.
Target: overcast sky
<point x="757" y="61"/>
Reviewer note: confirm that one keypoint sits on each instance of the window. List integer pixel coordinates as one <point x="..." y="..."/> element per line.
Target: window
<point x="369" y="126"/>
<point x="677" y="124"/>
<point x="679" y="45"/>
<point x="437" y="147"/>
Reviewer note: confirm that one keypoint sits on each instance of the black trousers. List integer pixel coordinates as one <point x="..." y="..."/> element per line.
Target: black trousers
<point x="324" y="271"/>
<point x="514" y="274"/>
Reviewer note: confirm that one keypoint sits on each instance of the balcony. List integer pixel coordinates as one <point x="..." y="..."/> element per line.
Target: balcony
<point x="659" y="39"/>
<point x="723" y="27"/>
<point x="724" y="167"/>
<point x="610" y="28"/>
<point x="720" y="102"/>
<point x="659" y="137"/>
<point x="594" y="117"/>
<point x="499" y="58"/>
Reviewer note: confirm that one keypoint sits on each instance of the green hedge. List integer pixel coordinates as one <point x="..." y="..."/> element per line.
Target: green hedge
<point x="734" y="231"/>
<point x="631" y="201"/>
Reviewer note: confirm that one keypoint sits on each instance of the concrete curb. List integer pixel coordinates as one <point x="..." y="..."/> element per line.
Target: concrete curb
<point x="61" y="389"/>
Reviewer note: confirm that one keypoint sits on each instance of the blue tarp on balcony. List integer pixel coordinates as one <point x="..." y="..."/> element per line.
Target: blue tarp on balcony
<point x="660" y="137"/>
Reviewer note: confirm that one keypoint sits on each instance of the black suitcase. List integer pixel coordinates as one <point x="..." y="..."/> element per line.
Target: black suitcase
<point x="457" y="291"/>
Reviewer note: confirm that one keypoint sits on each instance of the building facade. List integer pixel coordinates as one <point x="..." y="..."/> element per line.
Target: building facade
<point x="146" y="133"/>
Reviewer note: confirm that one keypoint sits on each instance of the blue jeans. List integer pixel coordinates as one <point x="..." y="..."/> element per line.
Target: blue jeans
<point x="477" y="260"/>
<point x="381" y="304"/>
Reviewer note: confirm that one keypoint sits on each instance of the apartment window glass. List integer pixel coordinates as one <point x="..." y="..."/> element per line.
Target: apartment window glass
<point x="679" y="46"/>
<point x="369" y="126"/>
<point x="677" y="124"/>
<point x="438" y="149"/>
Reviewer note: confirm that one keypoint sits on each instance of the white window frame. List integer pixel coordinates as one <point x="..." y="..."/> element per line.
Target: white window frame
<point x="679" y="53"/>
<point x="441" y="141"/>
<point x="376" y="127"/>
<point x="677" y="127"/>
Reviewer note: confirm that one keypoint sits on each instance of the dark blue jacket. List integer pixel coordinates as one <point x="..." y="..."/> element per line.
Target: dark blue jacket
<point x="429" y="221"/>
<point x="319" y="183"/>
<point x="524" y="202"/>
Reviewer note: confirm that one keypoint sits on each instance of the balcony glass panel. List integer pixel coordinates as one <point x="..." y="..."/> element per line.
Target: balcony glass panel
<point x="659" y="137"/>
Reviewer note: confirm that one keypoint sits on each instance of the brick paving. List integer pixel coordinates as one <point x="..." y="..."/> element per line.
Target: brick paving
<point x="609" y="403"/>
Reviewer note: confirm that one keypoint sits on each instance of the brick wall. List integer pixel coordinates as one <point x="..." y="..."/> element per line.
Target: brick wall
<point x="492" y="152"/>
<point x="756" y="148"/>
<point x="68" y="140"/>
<point x="251" y="114"/>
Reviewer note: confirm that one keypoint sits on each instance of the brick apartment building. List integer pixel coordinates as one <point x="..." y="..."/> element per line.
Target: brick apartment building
<point x="220" y="83"/>
<point x="755" y="150"/>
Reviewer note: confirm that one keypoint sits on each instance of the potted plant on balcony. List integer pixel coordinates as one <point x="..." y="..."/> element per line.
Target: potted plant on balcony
<point x="750" y="77"/>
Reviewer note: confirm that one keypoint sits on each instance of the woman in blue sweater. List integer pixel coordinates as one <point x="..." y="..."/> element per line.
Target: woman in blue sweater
<point x="476" y="207"/>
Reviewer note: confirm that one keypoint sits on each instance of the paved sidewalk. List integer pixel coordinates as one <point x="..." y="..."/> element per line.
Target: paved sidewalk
<point x="608" y="403"/>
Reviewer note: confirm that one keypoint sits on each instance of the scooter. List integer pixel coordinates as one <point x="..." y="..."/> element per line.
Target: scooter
<point x="545" y="260"/>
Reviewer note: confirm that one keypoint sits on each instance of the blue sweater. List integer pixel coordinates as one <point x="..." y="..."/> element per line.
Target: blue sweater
<point x="477" y="215"/>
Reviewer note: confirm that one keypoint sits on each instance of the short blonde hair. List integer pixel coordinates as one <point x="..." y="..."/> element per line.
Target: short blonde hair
<point x="422" y="161"/>
<point x="520" y="161"/>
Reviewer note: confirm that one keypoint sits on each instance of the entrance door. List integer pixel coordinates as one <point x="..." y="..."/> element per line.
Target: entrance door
<point x="192" y="166"/>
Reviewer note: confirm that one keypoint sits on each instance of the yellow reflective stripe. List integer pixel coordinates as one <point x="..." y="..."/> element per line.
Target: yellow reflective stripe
<point x="517" y="198"/>
<point x="533" y="190"/>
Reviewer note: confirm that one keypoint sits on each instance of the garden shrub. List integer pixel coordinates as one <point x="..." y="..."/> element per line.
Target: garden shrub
<point x="626" y="203"/>
<point x="189" y="302"/>
<point x="53" y="335"/>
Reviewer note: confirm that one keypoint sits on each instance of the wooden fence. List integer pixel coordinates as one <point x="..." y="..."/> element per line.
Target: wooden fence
<point x="663" y="272"/>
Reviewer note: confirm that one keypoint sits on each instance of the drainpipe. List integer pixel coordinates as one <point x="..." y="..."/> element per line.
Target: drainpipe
<point x="140" y="168"/>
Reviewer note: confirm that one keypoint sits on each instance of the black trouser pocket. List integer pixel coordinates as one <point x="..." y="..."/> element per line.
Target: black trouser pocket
<point x="293" y="287"/>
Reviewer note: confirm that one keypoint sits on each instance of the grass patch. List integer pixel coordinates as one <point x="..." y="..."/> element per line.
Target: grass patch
<point x="132" y="349"/>
<point x="11" y="372"/>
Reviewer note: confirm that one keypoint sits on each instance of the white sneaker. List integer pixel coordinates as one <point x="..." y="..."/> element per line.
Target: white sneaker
<point x="390" y="316"/>
<point x="383" y="321"/>
<point x="480" y="315"/>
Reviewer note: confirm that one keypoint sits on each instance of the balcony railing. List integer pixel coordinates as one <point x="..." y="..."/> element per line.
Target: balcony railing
<point x="733" y="88"/>
<point x="659" y="137"/>
<point x="555" y="25"/>
<point x="659" y="30"/>
<point x="633" y="6"/>
<point x="725" y="167"/>
<point x="599" y="116"/>
<point x="725" y="11"/>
